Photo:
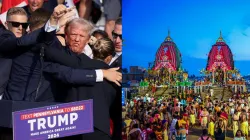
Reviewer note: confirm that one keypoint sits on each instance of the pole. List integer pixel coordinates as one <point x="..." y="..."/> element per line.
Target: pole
<point x="213" y="77"/>
<point x="225" y="76"/>
<point x="235" y="87"/>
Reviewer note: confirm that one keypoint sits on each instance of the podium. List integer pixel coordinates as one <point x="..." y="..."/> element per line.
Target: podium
<point x="8" y="106"/>
<point x="23" y="120"/>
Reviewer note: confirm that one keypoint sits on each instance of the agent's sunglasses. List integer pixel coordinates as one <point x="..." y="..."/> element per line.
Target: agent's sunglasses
<point x="17" y="24"/>
<point x="115" y="35"/>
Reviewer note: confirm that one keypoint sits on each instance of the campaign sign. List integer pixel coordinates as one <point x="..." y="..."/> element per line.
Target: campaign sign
<point x="53" y="121"/>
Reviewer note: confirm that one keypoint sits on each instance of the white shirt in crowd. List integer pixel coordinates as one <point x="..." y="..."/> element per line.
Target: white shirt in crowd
<point x="149" y="99"/>
<point x="132" y="103"/>
<point x="115" y="57"/>
<point x="179" y="104"/>
<point x="242" y="105"/>
<point x="232" y="111"/>
<point x="211" y="92"/>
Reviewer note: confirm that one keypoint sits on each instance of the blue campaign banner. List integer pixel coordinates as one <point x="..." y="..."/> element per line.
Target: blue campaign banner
<point x="123" y="97"/>
<point x="53" y="121"/>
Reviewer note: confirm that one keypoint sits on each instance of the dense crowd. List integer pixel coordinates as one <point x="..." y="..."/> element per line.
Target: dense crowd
<point x="169" y="118"/>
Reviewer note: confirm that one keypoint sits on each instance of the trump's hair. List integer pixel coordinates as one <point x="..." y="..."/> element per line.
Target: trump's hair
<point x="81" y="23"/>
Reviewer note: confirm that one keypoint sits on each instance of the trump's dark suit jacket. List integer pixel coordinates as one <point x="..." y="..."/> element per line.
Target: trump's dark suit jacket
<point x="103" y="95"/>
<point x="66" y="57"/>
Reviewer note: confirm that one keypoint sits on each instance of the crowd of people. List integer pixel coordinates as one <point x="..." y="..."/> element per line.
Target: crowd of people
<point x="170" y="118"/>
<point x="52" y="53"/>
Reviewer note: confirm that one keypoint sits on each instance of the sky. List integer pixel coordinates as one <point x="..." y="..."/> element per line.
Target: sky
<point x="194" y="26"/>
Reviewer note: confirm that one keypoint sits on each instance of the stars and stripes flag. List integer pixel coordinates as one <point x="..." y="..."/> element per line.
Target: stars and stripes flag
<point x="7" y="4"/>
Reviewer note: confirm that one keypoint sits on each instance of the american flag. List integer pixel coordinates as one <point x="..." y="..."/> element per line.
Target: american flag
<point x="7" y="4"/>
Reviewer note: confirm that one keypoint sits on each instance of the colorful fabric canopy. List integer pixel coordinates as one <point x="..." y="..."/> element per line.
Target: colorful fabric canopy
<point x="168" y="56"/>
<point x="220" y="56"/>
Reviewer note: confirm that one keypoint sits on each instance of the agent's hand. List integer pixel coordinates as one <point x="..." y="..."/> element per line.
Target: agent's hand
<point x="113" y="76"/>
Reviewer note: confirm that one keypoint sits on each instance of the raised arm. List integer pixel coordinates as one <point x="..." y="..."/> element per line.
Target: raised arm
<point x="9" y="42"/>
<point x="69" y="75"/>
<point x="56" y="53"/>
<point x="82" y="76"/>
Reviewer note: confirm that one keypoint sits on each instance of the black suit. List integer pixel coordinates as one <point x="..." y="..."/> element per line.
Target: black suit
<point x="5" y="63"/>
<point x="117" y="62"/>
<point x="103" y="94"/>
<point x="102" y="102"/>
<point x="10" y="46"/>
<point x="117" y="105"/>
<point x="4" y="73"/>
